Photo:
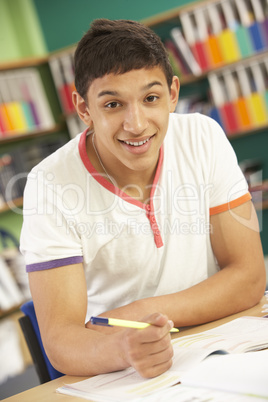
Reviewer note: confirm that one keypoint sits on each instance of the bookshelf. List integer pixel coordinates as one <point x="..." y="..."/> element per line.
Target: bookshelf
<point x="27" y="96"/>
<point x="30" y="116"/>
<point x="237" y="32"/>
<point x="33" y="134"/>
<point x="239" y="29"/>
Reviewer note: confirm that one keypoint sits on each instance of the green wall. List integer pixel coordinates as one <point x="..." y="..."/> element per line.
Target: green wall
<point x="65" y="21"/>
<point x="255" y="146"/>
<point x="20" y="32"/>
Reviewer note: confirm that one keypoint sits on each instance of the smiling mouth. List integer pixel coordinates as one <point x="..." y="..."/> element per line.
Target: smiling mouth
<point x="136" y="143"/>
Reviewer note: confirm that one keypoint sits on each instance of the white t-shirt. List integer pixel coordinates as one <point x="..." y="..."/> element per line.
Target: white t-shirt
<point x="132" y="250"/>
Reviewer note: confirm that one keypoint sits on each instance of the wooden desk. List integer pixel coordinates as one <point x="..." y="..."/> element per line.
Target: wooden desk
<point x="47" y="392"/>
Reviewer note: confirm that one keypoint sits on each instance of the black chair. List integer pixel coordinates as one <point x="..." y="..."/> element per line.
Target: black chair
<point x="28" y="323"/>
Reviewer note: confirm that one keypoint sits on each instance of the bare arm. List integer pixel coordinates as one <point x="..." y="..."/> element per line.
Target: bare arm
<point x="60" y="301"/>
<point x="238" y="285"/>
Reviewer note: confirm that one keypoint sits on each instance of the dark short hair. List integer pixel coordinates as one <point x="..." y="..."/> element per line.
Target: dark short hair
<point x="117" y="46"/>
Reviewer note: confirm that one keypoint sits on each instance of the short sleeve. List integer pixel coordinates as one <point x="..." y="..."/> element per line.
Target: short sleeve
<point x="48" y="236"/>
<point x="229" y="187"/>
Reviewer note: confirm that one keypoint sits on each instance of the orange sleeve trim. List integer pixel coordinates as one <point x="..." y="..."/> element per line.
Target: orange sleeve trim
<point x="230" y="205"/>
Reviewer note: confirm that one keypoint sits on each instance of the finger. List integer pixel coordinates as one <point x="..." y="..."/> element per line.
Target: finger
<point x="139" y="349"/>
<point x="156" y="370"/>
<point x="137" y="352"/>
<point x="155" y="364"/>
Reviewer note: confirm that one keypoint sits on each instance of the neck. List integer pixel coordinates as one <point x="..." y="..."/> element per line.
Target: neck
<point x="136" y="184"/>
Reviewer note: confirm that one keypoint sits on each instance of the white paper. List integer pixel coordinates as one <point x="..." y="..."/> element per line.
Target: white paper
<point x="242" y="373"/>
<point x="189" y="351"/>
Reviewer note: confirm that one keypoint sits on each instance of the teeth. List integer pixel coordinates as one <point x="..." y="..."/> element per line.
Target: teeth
<point x="136" y="144"/>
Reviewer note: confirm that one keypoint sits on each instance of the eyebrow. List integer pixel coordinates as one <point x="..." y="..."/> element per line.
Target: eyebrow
<point x="115" y="93"/>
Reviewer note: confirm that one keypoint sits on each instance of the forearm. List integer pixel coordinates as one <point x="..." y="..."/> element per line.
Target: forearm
<point x="75" y="350"/>
<point x="230" y="290"/>
<point x="81" y="351"/>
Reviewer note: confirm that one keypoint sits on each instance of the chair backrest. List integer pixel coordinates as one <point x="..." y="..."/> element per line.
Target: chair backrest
<point x="30" y="329"/>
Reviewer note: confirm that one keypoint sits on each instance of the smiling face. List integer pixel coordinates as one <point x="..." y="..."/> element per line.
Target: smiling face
<point x="129" y="114"/>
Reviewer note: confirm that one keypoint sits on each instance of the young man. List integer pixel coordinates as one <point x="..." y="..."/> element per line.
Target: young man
<point x="145" y="216"/>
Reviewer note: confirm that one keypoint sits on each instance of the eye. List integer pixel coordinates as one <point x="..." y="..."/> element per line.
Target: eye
<point x="112" y="105"/>
<point x="151" y="98"/>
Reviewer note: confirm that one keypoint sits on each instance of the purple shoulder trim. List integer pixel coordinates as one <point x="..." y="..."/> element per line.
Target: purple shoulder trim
<point x="40" y="266"/>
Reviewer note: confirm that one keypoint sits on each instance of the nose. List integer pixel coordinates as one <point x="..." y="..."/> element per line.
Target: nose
<point x="135" y="120"/>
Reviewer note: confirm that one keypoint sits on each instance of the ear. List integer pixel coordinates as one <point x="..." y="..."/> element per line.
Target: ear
<point x="81" y="108"/>
<point x="174" y="93"/>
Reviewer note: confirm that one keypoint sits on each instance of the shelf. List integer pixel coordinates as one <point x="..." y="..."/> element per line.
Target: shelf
<point x="66" y="50"/>
<point x="28" y="62"/>
<point x="174" y="13"/>
<point x="189" y="79"/>
<point x="17" y="202"/>
<point x="37" y="133"/>
<point x="252" y="131"/>
<point x="261" y="205"/>
<point x="169" y="14"/>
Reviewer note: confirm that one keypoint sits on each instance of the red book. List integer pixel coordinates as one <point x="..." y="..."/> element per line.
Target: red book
<point x="229" y="118"/>
<point x="201" y="55"/>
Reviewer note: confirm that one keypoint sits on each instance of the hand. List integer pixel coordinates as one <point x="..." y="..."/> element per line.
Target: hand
<point x="149" y="350"/>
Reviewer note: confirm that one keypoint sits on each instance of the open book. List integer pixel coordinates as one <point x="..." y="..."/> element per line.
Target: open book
<point x="211" y="349"/>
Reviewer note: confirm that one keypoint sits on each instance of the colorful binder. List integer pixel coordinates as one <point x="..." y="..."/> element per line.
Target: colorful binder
<point x="228" y="36"/>
<point x="224" y="105"/>
<point x="240" y="106"/>
<point x="213" y="36"/>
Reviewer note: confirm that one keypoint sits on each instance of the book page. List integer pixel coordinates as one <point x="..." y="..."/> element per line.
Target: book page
<point x="235" y="336"/>
<point x="241" y="372"/>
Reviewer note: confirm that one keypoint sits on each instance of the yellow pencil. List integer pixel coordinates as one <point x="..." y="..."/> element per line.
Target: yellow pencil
<point x="115" y="322"/>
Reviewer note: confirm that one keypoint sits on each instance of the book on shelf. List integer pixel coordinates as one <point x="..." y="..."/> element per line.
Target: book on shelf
<point x="62" y="70"/>
<point x="240" y="38"/>
<point x="257" y="102"/>
<point x="185" y="51"/>
<point x="177" y="62"/>
<point x="228" y="39"/>
<point x="194" y="30"/>
<point x="259" y="193"/>
<point x="193" y="104"/>
<point x="247" y="13"/>
<point x="10" y="293"/>
<point x="224" y="32"/>
<point x="245" y="87"/>
<point x="12" y="105"/>
<point x="23" y="103"/>
<point x="75" y="125"/>
<point x="16" y="264"/>
<point x="239" y="104"/>
<point x="9" y="187"/>
<point x="257" y="10"/>
<point x="214" y="29"/>
<point x="240" y="95"/>
<point x="261" y="12"/>
<point x="18" y="162"/>
<point x="227" y="344"/>
<point x="264" y="69"/>
<point x="224" y="106"/>
<point x="252" y="170"/>
<point x="260" y="83"/>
